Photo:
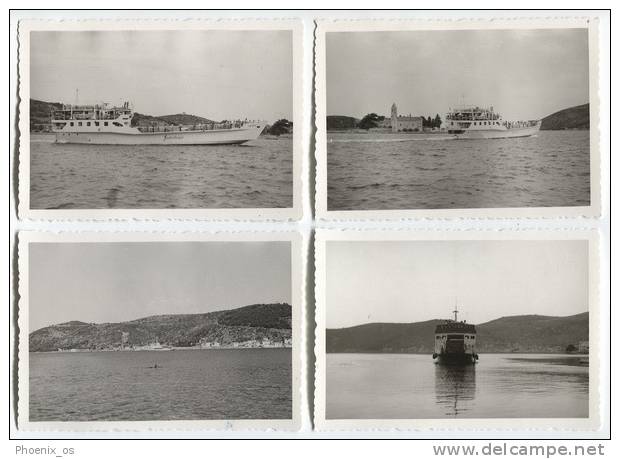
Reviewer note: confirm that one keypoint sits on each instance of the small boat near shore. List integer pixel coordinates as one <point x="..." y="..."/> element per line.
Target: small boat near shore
<point x="473" y="122"/>
<point x="455" y="342"/>
<point x="107" y="125"/>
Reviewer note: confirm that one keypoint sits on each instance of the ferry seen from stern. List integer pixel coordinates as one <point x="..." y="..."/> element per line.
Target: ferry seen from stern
<point x="104" y="124"/>
<point x="473" y="122"/>
<point x="455" y="342"/>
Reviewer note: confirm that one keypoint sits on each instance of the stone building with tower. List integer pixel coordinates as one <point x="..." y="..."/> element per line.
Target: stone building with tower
<point x="400" y="123"/>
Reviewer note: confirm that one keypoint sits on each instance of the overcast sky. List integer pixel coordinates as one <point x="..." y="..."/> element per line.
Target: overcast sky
<point x="411" y="281"/>
<point x="523" y="74"/>
<point x="216" y="74"/>
<point x="112" y="282"/>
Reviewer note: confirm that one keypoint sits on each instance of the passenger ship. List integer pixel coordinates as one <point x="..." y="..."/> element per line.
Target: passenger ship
<point x="455" y="342"/>
<point x="107" y="125"/>
<point x="472" y="122"/>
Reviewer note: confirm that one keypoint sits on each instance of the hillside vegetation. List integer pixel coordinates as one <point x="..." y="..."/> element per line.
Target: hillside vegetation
<point x="570" y="118"/>
<point x="40" y="113"/>
<point x="40" y="117"/>
<point x="526" y="333"/>
<point x="255" y="322"/>
<point x="337" y="122"/>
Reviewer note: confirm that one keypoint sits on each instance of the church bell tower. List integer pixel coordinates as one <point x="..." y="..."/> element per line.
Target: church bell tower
<point x="394" y="118"/>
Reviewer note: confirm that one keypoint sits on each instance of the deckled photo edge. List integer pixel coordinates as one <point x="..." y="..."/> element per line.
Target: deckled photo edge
<point x="425" y="427"/>
<point x="324" y="26"/>
<point x="25" y="238"/>
<point x="25" y="212"/>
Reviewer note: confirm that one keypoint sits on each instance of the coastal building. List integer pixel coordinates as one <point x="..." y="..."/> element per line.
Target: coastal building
<point x="401" y="123"/>
<point x="385" y="123"/>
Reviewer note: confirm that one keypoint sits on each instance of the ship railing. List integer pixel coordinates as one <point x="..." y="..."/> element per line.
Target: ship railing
<point x="193" y="127"/>
<point x="520" y="124"/>
<point x="472" y="117"/>
<point x="75" y="115"/>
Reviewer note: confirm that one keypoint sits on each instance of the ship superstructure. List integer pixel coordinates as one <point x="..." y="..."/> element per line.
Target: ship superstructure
<point x="473" y="122"/>
<point x="455" y="342"/>
<point x="104" y="124"/>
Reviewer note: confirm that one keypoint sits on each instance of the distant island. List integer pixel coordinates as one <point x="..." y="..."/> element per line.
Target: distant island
<point x="253" y="326"/>
<point x="526" y="334"/>
<point x="40" y="120"/>
<point x="577" y="117"/>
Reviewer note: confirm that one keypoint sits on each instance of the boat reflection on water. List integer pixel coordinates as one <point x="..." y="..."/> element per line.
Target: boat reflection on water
<point x="455" y="388"/>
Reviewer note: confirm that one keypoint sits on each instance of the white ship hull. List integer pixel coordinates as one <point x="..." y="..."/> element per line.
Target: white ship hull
<point x="199" y="137"/>
<point x="499" y="133"/>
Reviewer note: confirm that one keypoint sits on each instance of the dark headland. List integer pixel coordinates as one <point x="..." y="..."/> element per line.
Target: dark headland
<point x="570" y="118"/>
<point x="258" y="324"/>
<point x="526" y="333"/>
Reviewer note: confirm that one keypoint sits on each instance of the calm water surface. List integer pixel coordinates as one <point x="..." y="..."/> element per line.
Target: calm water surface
<point x="405" y="386"/>
<point x="258" y="174"/>
<point x="414" y="171"/>
<point x="187" y="385"/>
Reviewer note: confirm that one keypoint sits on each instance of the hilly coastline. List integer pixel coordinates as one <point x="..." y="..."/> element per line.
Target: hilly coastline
<point x="40" y="120"/>
<point x="258" y="325"/>
<point x="40" y="117"/>
<point x="526" y="333"/>
<point x="577" y="117"/>
<point x="570" y="118"/>
<point x="178" y="119"/>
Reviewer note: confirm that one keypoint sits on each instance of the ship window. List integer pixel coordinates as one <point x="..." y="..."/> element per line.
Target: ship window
<point x="88" y="123"/>
<point x="96" y="123"/>
<point x="79" y="123"/>
<point x="105" y="123"/>
<point x="71" y="123"/>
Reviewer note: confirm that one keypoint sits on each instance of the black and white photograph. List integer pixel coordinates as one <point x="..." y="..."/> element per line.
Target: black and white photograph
<point x="134" y="121"/>
<point x="456" y="328"/>
<point x="447" y="120"/>
<point x="309" y="224"/>
<point x="119" y="329"/>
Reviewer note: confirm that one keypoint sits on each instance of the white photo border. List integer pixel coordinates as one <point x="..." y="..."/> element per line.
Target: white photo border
<point x="293" y="213"/>
<point x="467" y="428"/>
<point x="339" y="25"/>
<point x="190" y="426"/>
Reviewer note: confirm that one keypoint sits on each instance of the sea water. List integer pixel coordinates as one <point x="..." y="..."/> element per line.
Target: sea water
<point x="378" y="171"/>
<point x="406" y="386"/>
<point x="161" y="385"/>
<point x="258" y="174"/>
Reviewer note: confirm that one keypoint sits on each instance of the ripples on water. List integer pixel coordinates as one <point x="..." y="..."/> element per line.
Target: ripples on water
<point x="187" y="385"/>
<point x="405" y="386"/>
<point x="258" y="174"/>
<point x="411" y="171"/>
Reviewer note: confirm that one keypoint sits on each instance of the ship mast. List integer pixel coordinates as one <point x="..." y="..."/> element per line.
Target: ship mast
<point x="456" y="311"/>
